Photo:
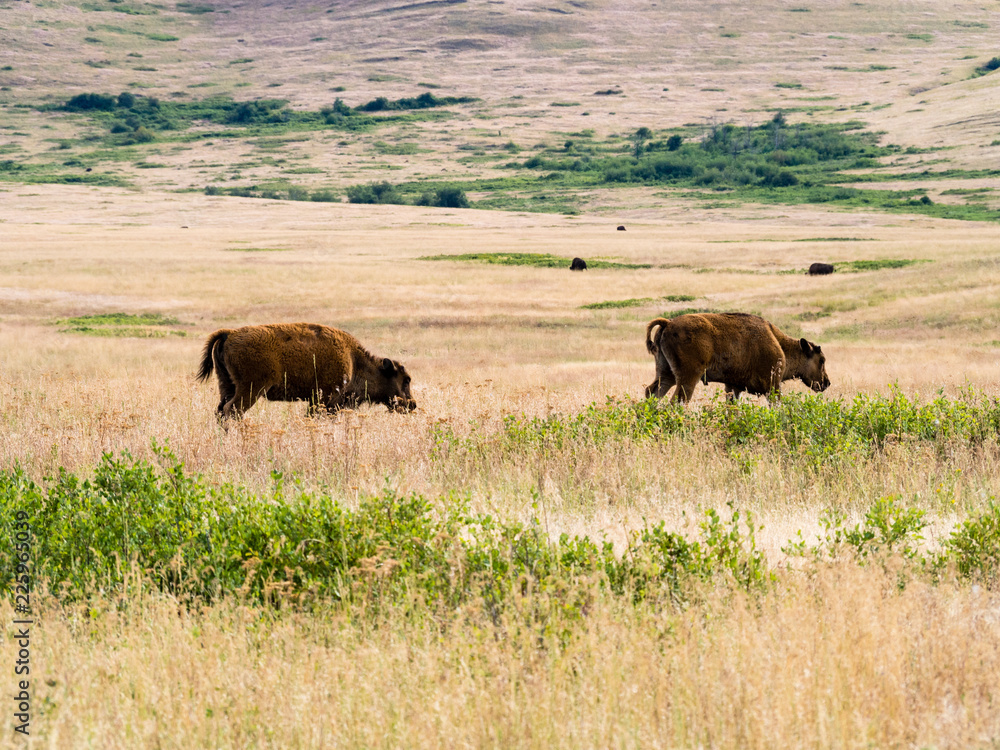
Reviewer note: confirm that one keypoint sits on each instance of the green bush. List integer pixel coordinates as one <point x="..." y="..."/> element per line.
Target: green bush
<point x="104" y="102"/>
<point x="446" y="197"/>
<point x="374" y="192"/>
<point x="805" y="427"/>
<point x="195" y="538"/>
<point x="987" y="67"/>
<point x="426" y="100"/>
<point x="974" y="546"/>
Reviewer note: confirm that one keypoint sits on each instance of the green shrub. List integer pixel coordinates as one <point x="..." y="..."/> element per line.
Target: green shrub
<point x="426" y="100"/>
<point x="446" y="197"/>
<point x="196" y="538"/>
<point x="805" y="427"/>
<point x="104" y="102"/>
<point x="975" y="546"/>
<point x="374" y="192"/>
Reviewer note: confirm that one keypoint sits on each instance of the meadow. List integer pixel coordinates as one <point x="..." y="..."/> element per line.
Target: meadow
<point x="535" y="557"/>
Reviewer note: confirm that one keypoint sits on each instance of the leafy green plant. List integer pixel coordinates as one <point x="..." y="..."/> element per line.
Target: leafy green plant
<point x="196" y="538"/>
<point x="806" y="427"/>
<point x="974" y="546"/>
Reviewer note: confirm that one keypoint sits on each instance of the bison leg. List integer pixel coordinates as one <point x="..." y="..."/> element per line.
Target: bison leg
<point x="664" y="380"/>
<point x="242" y="399"/>
<point x="686" y="385"/>
<point x="663" y="383"/>
<point x="733" y="393"/>
<point x="225" y="395"/>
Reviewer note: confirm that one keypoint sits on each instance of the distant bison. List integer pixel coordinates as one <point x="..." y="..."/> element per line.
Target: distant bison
<point x="300" y="362"/>
<point x="578" y="264"/>
<point x="745" y="352"/>
<point x="820" y="269"/>
<point x="621" y="227"/>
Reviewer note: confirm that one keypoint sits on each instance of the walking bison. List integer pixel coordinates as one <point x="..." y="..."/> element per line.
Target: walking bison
<point x="300" y="362"/>
<point x="745" y="352"/>
<point x="578" y="264"/>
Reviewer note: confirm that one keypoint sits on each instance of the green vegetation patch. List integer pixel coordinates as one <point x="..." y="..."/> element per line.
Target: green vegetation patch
<point x="200" y="540"/>
<point x="858" y="266"/>
<point x="619" y="303"/>
<point x="670" y="314"/>
<point x="539" y="260"/>
<point x="191" y="536"/>
<point x="194" y="8"/>
<point x="775" y="154"/>
<point x="987" y="67"/>
<point x="126" y="113"/>
<point x="123" y="325"/>
<point x="635" y="302"/>
<point x="810" y="427"/>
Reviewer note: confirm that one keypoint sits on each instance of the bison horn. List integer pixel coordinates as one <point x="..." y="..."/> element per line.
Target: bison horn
<point x="806" y="347"/>
<point x="388" y="367"/>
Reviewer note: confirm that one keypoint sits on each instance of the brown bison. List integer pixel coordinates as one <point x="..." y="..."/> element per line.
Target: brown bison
<point x="820" y="269"/>
<point x="300" y="362"/>
<point x="745" y="352"/>
<point x="578" y="264"/>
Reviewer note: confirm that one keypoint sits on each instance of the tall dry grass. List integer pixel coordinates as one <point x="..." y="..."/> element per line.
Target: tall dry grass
<point x="838" y="659"/>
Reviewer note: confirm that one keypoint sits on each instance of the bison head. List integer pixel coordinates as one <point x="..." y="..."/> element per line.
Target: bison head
<point x="396" y="386"/>
<point x="812" y="370"/>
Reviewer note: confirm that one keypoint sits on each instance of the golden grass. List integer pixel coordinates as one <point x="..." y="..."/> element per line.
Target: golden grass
<point x="841" y="660"/>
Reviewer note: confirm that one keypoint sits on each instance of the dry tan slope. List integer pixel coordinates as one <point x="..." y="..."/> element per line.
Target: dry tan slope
<point x="674" y="62"/>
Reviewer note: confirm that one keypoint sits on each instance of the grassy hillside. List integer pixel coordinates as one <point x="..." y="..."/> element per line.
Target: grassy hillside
<point x="519" y="79"/>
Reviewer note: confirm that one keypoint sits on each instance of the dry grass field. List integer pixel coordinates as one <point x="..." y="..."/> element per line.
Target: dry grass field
<point x="834" y="652"/>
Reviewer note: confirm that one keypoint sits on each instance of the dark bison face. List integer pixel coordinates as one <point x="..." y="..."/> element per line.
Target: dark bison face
<point x="813" y="371"/>
<point x="396" y="386"/>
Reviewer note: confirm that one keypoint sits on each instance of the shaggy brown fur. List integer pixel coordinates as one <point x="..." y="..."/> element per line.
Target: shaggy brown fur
<point x="821" y="269"/>
<point x="745" y="352"/>
<point x="300" y="362"/>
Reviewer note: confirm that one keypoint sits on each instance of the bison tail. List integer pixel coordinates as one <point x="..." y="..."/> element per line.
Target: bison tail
<point x="653" y="340"/>
<point x="211" y="357"/>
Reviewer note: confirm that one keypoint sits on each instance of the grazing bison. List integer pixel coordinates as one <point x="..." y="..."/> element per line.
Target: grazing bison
<point x="578" y="264"/>
<point x="745" y="352"/>
<point x="621" y="227"/>
<point x="820" y="269"/>
<point x="300" y="362"/>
